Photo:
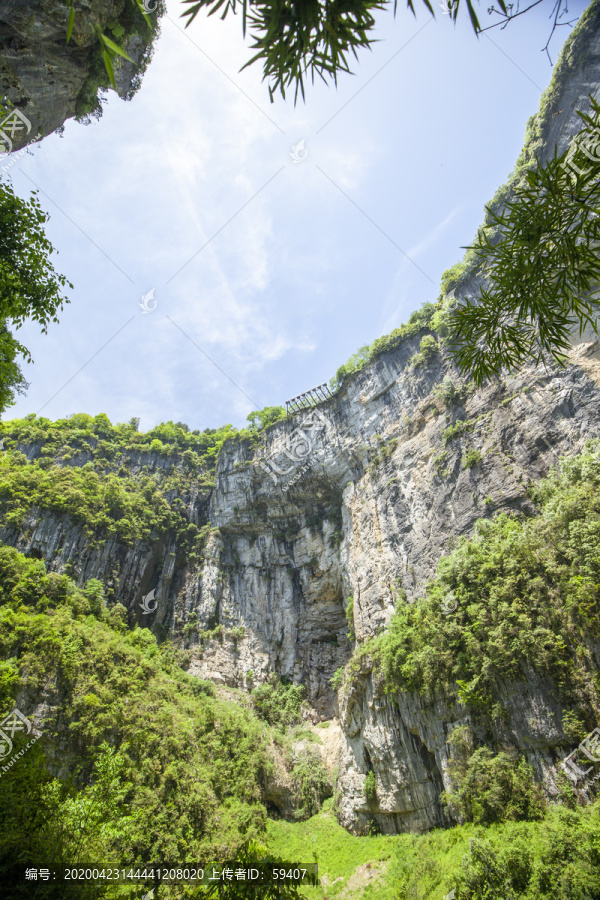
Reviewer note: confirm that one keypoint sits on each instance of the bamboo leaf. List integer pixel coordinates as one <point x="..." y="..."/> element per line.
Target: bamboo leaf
<point x="71" y="23"/>
<point x="109" y="67"/>
<point x="114" y="48"/>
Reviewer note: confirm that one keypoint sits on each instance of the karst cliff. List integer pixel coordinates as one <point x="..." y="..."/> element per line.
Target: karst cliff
<point x="251" y="569"/>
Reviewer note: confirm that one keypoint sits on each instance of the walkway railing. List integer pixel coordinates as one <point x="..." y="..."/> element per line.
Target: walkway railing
<point x="308" y="399"/>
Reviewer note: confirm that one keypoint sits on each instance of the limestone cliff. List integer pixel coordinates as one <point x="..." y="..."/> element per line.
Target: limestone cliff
<point x="359" y="497"/>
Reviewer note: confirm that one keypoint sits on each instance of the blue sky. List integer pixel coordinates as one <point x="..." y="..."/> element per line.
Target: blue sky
<point x="267" y="273"/>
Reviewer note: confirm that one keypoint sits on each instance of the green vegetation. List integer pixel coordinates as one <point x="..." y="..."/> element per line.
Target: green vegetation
<point x="536" y="135"/>
<point x="312" y="784"/>
<point x="338" y="853"/>
<point x="349" y="610"/>
<point x="156" y="765"/>
<point x="159" y="766"/>
<point x="279" y="702"/>
<point x="427" y="349"/>
<point x="449" y="393"/>
<point x="552" y="858"/>
<point x="456" y="430"/>
<point x="472" y="458"/>
<point x="542" y="269"/>
<point x="338" y="678"/>
<point x="418" y="320"/>
<point x="370" y="787"/>
<point x="133" y="19"/>
<point x="490" y="788"/>
<point x="81" y="467"/>
<point x="263" y="418"/>
<point x="187" y="766"/>
<point x="316" y="38"/>
<point x="30" y="288"/>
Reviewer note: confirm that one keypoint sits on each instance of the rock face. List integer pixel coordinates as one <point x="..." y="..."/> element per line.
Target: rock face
<point x="360" y="498"/>
<point x="49" y="81"/>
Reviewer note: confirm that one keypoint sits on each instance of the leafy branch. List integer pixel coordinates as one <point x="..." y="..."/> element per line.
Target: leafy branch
<point x="540" y="263"/>
<point x="296" y="37"/>
<point x="511" y="11"/>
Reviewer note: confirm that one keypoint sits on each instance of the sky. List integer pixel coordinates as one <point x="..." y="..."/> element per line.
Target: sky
<point x="269" y="266"/>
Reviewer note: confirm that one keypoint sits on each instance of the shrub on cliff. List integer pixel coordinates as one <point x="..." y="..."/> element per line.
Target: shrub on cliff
<point x="494" y="788"/>
<point x="278" y="702"/>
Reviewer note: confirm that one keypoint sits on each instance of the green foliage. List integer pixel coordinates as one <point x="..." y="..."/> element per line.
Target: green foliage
<point x="439" y="461"/>
<point x="12" y="381"/>
<point x="449" y="393"/>
<point x="133" y="19"/>
<point x="370" y="787"/>
<point x="338" y="678"/>
<point x="278" y="702"/>
<point x="349" y="610"/>
<point x="356" y="362"/>
<point x="555" y="858"/>
<point x="312" y="783"/>
<point x="184" y="768"/>
<point x="105" y="496"/>
<point x="491" y="788"/>
<point x="418" y="320"/>
<point x="440" y="319"/>
<point x="573" y="727"/>
<point x="472" y="458"/>
<point x="428" y="346"/>
<point x="427" y="349"/>
<point x="454" y="431"/>
<point x="293" y="39"/>
<point x="250" y="854"/>
<point x="30" y="288"/>
<point x="537" y="134"/>
<point x="541" y="264"/>
<point x="261" y="419"/>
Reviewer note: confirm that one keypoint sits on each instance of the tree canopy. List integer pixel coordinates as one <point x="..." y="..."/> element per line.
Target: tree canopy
<point x="317" y="36"/>
<point x="30" y="287"/>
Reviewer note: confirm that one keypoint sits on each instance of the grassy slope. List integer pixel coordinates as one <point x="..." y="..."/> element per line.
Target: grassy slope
<point x="555" y="859"/>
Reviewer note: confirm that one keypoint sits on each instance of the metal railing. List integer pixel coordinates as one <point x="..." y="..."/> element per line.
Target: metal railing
<point x="308" y="399"/>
